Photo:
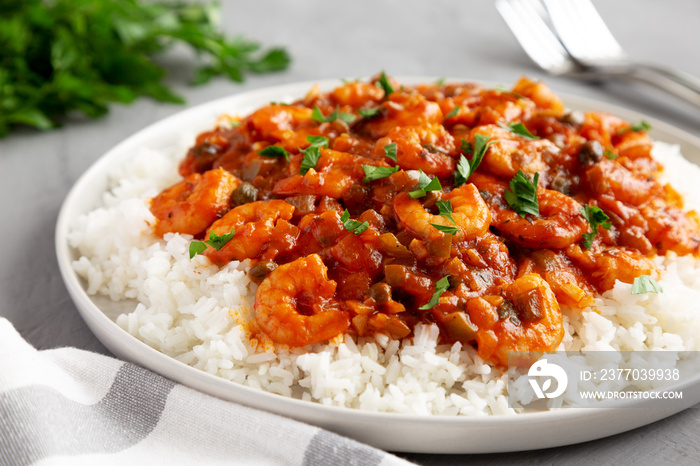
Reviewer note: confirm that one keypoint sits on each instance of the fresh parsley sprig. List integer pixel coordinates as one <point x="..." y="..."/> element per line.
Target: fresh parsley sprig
<point x="336" y="114"/>
<point x="522" y="196"/>
<point x="519" y="129"/>
<point x="312" y="154"/>
<point x="368" y="113"/>
<point x="640" y="126"/>
<point x="440" y="287"/>
<point x="72" y="55"/>
<point x="595" y="218"/>
<point x="445" y="209"/>
<point x="425" y="184"/>
<point x="215" y="241"/>
<point x="390" y="151"/>
<point x="645" y="284"/>
<point x="353" y="225"/>
<point x="466" y="167"/>
<point x="275" y="151"/>
<point x="384" y="84"/>
<point x="377" y="173"/>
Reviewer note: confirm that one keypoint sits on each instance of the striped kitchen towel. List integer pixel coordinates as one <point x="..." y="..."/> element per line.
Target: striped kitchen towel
<point x="68" y="406"/>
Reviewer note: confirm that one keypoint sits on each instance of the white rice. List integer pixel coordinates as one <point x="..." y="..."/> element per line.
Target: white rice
<point x="195" y="312"/>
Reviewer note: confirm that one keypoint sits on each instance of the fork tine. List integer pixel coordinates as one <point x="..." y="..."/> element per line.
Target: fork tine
<point x="533" y="34"/>
<point x="582" y="31"/>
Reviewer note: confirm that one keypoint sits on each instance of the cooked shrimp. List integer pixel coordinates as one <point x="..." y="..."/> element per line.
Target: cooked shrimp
<point x="509" y="152"/>
<point x="255" y="225"/>
<point x="356" y="94"/>
<point x="526" y="317"/>
<point x="287" y="124"/>
<point x="609" y="177"/>
<point x="541" y="94"/>
<point x="610" y="264"/>
<point x="334" y="174"/>
<point x="295" y="304"/>
<point x="402" y="109"/>
<point x="470" y="213"/>
<point x="194" y="203"/>
<point x="429" y="148"/>
<point x="560" y="222"/>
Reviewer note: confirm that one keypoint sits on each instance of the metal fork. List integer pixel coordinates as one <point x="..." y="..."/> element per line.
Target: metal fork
<point x="583" y="47"/>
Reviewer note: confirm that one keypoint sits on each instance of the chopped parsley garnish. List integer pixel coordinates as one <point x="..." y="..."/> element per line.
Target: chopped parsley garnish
<point x="522" y="196"/>
<point x="440" y="287"/>
<point x="445" y="208"/>
<point x="312" y="153"/>
<point x="465" y="168"/>
<point x="317" y="115"/>
<point x="275" y="151"/>
<point x="641" y="126"/>
<point x="369" y="112"/>
<point x="384" y="84"/>
<point x="377" y="173"/>
<point x="595" y="218"/>
<point x="441" y="81"/>
<point x="452" y="113"/>
<point x="353" y="225"/>
<point x="215" y="241"/>
<point x="519" y="129"/>
<point x="645" y="284"/>
<point x="446" y="228"/>
<point x="610" y="155"/>
<point x="390" y="151"/>
<point x="426" y="184"/>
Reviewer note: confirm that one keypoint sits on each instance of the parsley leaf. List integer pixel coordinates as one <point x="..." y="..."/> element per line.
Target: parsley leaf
<point x="522" y="196"/>
<point x="519" y="129"/>
<point x="440" y="287"/>
<point x="390" y="151"/>
<point x="275" y="151"/>
<point x="452" y="113"/>
<point x="63" y="56"/>
<point x="446" y="228"/>
<point x="369" y="112"/>
<point x="312" y="153"/>
<point x="353" y="225"/>
<point x="610" y="155"/>
<point x="445" y="208"/>
<point x="215" y="241"/>
<point x="645" y="284"/>
<point x="465" y="168"/>
<point x="595" y="218"/>
<point x="384" y="84"/>
<point x="641" y="126"/>
<point x="377" y="173"/>
<point x="441" y="81"/>
<point x="426" y="184"/>
<point x="317" y="141"/>
<point x="317" y="115"/>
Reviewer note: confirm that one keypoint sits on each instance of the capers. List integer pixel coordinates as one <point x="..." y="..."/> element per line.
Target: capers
<point x="244" y="193"/>
<point x="261" y="270"/>
<point x="591" y="152"/>
<point x="574" y="118"/>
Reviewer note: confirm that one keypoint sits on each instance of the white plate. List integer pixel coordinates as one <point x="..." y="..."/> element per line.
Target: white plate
<point x="389" y="431"/>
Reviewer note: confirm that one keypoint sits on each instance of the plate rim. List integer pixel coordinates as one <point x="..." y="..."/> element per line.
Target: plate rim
<point x="101" y="325"/>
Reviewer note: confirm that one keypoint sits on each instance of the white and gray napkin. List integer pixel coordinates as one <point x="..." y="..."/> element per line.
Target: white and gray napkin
<point x="69" y="406"/>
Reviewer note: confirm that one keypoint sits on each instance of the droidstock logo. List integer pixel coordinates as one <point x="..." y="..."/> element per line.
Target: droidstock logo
<point x="546" y="372"/>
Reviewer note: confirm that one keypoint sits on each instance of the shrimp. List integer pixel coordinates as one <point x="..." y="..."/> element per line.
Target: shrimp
<point x="402" y="109"/>
<point x="356" y="94"/>
<point x="256" y="224"/>
<point x="509" y="152"/>
<point x="607" y="266"/>
<point x="295" y="304"/>
<point x="540" y="94"/>
<point x="335" y="173"/>
<point x="285" y="124"/>
<point x="609" y="177"/>
<point x="429" y="148"/>
<point x="470" y="213"/>
<point x="559" y="225"/>
<point x="194" y="203"/>
<point x="526" y="317"/>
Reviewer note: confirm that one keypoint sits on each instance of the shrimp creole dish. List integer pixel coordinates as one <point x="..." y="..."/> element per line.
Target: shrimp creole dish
<point x="383" y="246"/>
